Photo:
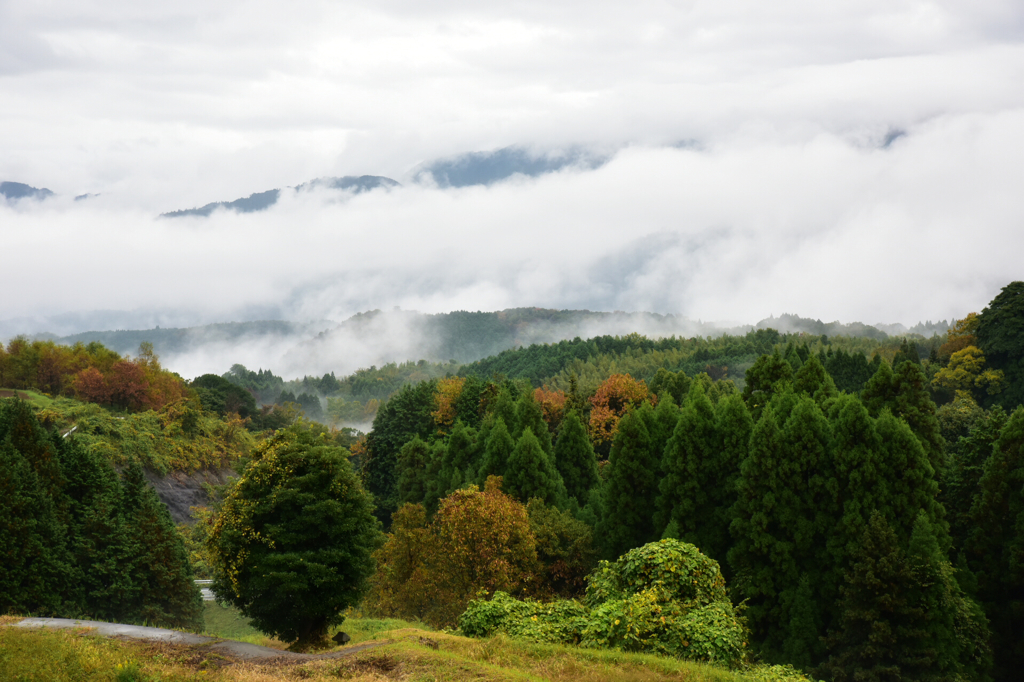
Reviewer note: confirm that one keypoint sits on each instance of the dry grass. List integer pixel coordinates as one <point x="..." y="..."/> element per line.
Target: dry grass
<point x="406" y="654"/>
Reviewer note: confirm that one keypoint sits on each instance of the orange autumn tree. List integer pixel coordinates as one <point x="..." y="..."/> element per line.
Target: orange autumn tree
<point x="477" y="540"/>
<point x="552" y="405"/>
<point x="618" y="393"/>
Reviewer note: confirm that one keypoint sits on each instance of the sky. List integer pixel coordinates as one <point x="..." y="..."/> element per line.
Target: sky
<point x="852" y="161"/>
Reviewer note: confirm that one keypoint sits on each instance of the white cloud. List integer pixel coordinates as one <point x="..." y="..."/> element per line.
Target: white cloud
<point x="785" y="204"/>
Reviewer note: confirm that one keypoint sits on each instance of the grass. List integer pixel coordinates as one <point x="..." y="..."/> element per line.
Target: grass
<point x="33" y="397"/>
<point x="408" y="652"/>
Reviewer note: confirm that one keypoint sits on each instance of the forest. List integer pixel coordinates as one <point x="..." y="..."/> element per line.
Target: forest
<point x="847" y="507"/>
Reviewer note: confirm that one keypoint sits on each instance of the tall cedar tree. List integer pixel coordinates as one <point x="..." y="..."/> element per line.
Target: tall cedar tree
<point x="414" y="461"/>
<point x="459" y="458"/>
<point x="735" y="426"/>
<point x="498" y="447"/>
<point x="630" y="491"/>
<point x="903" y="616"/>
<point x="813" y="380"/>
<point x="161" y="571"/>
<point x="967" y="465"/>
<point x="782" y="517"/>
<point x="404" y="415"/>
<point x="34" y="574"/>
<point x="292" y="545"/>
<point x="905" y="393"/>
<point x="575" y="459"/>
<point x="529" y="415"/>
<point x="102" y="538"/>
<point x="764" y="379"/>
<point x="684" y="498"/>
<point x="531" y="473"/>
<point x="1000" y="334"/>
<point x="995" y="547"/>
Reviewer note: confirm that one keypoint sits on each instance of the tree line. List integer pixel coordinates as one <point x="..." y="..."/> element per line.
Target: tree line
<point x="830" y="510"/>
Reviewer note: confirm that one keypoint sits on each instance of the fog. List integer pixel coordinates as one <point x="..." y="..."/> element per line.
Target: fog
<point x="853" y="161"/>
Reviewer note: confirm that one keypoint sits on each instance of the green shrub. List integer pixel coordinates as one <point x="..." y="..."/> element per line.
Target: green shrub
<point x="557" y="622"/>
<point x="665" y="598"/>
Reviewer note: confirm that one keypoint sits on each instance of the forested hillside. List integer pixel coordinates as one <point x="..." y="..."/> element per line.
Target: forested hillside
<point x="843" y="485"/>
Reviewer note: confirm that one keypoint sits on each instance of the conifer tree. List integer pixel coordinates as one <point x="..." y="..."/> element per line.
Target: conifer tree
<point x="460" y="455"/>
<point x="688" y="477"/>
<point x="793" y="357"/>
<point x="414" y="460"/>
<point x="881" y="633"/>
<point x="813" y="380"/>
<point x="35" y="566"/>
<point x="661" y="422"/>
<point x="765" y="378"/>
<point x="995" y="547"/>
<point x="529" y="415"/>
<point x="531" y="473"/>
<point x="905" y="393"/>
<point x="497" y="450"/>
<point x="505" y="409"/>
<point x="734" y="429"/>
<point x="575" y="459"/>
<point x="630" y="491"/>
<point x="160" y="570"/>
<point x="100" y="536"/>
<point x="782" y="517"/>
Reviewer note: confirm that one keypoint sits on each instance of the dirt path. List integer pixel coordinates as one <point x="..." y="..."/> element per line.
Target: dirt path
<point x="241" y="651"/>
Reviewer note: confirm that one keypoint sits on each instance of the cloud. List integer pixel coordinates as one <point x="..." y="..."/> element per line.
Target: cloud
<point x="926" y="228"/>
<point x="755" y="164"/>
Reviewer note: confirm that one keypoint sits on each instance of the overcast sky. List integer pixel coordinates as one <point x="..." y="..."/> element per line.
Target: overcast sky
<point x="749" y="169"/>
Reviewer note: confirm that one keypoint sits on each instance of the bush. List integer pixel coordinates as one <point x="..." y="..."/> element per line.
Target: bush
<point x="665" y="598"/>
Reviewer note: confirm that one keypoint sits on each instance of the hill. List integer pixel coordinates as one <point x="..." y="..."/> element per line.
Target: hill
<point x="19" y="190"/>
<point x="261" y="201"/>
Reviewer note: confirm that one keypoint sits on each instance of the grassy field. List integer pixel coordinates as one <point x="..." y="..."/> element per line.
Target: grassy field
<point x="35" y="398"/>
<point x="407" y="652"/>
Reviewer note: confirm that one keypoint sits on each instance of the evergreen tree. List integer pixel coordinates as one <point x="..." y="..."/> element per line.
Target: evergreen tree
<point x="414" y="460"/>
<point x="660" y="422"/>
<point x="905" y="394"/>
<point x="793" y="357"/>
<point x="882" y="635"/>
<point x="529" y="415"/>
<point x="505" y="409"/>
<point x="531" y="473"/>
<point x="497" y="451"/>
<point x="782" y="517"/>
<point x="101" y="537"/>
<point x="575" y="459"/>
<point x="734" y="430"/>
<point x="765" y="378"/>
<point x="966" y="468"/>
<point x="460" y="456"/>
<point x="903" y="616"/>
<point x="995" y="547"/>
<point x="35" y="567"/>
<point x="160" y="571"/>
<point x="813" y="380"/>
<point x="630" y="491"/>
<point x="1000" y="334"/>
<point x="293" y="541"/>
<point x="688" y="477"/>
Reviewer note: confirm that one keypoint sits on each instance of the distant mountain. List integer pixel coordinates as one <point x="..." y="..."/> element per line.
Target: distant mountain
<point x="169" y="341"/>
<point x="796" y="324"/>
<point x="263" y="200"/>
<point x="19" y="190"/>
<point x="485" y="168"/>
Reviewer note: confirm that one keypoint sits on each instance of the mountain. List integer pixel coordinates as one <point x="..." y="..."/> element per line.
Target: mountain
<point x="485" y="168"/>
<point x="19" y="190"/>
<point x="263" y="200"/>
